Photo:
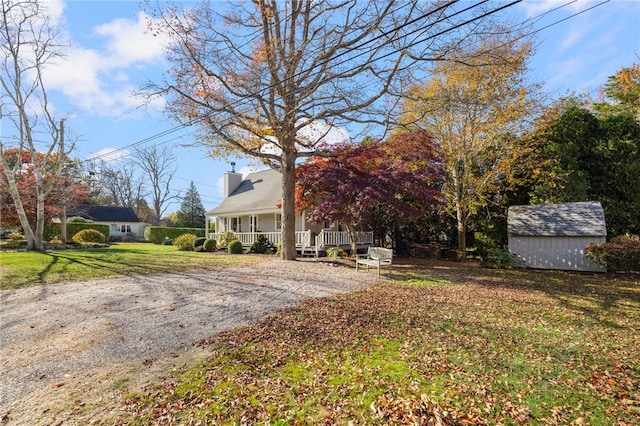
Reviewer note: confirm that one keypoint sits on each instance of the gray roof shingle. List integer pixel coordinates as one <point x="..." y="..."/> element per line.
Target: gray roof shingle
<point x="104" y="213"/>
<point x="260" y="191"/>
<point x="566" y="219"/>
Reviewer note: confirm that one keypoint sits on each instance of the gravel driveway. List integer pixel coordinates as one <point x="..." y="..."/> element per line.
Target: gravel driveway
<point x="55" y="335"/>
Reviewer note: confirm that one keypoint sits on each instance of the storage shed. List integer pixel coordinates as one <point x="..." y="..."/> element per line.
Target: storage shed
<point x="554" y="236"/>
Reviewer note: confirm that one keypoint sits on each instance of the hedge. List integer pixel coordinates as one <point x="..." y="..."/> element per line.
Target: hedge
<point x="52" y="230"/>
<point x="158" y="234"/>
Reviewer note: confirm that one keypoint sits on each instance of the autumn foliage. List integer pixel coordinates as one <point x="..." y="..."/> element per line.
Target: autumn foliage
<point x="65" y="190"/>
<point x="401" y="177"/>
<point x="622" y="253"/>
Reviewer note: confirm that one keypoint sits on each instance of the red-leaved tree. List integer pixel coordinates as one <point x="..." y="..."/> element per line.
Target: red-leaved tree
<point x="400" y="177"/>
<point x="67" y="189"/>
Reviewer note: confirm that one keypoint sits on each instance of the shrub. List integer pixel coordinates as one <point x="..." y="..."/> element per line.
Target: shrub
<point x="53" y="231"/>
<point x="158" y="234"/>
<point x="335" y="252"/>
<point x="199" y="249"/>
<point x="89" y="236"/>
<point x="621" y="254"/>
<point x="498" y="258"/>
<point x="200" y="241"/>
<point x="14" y="240"/>
<point x="209" y="245"/>
<point x="234" y="247"/>
<point x="225" y="239"/>
<point x="78" y="219"/>
<point x="185" y="242"/>
<point x="484" y="243"/>
<point x="262" y="245"/>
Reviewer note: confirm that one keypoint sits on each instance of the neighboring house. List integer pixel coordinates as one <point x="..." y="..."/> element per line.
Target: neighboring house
<point x="252" y="206"/>
<point x="554" y="236"/>
<point x="123" y="221"/>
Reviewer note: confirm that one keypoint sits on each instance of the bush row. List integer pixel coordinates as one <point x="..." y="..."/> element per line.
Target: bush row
<point x="53" y="231"/>
<point x="226" y="241"/>
<point x="160" y="234"/>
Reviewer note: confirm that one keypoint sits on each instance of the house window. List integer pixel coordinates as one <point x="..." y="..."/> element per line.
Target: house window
<point x="254" y="224"/>
<point x="235" y="224"/>
<point x="278" y="222"/>
<point x="125" y="229"/>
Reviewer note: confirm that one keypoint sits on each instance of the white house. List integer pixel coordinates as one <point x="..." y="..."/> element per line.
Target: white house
<point x="252" y="206"/>
<point x="554" y="236"/>
<point x="123" y="221"/>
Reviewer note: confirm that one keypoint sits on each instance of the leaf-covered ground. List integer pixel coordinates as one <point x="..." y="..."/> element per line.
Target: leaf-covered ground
<point x="440" y="343"/>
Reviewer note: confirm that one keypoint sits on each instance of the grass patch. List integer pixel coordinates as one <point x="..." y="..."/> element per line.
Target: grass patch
<point x="498" y="347"/>
<point x="27" y="268"/>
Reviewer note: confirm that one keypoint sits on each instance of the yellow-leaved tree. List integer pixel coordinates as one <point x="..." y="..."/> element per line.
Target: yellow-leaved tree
<point x="473" y="103"/>
<point x="279" y="81"/>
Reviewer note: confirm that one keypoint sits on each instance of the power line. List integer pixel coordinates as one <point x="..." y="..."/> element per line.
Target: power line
<point x="239" y="101"/>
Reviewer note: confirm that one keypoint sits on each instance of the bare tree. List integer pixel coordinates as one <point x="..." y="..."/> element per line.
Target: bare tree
<point x="271" y="79"/>
<point x="120" y="185"/>
<point x="158" y="166"/>
<point x="28" y="42"/>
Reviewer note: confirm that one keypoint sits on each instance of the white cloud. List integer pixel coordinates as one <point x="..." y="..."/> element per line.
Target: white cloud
<point x="109" y="154"/>
<point x="55" y="8"/>
<point x="573" y="37"/>
<point x="131" y="41"/>
<point x="313" y="135"/>
<point x="536" y="7"/>
<point x="104" y="80"/>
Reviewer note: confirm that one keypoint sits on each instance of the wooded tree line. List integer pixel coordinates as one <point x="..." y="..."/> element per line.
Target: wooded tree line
<point x="272" y="80"/>
<point x="127" y="183"/>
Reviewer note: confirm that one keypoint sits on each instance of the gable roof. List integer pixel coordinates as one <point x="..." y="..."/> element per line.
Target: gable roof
<point x="566" y="219"/>
<point x="260" y="191"/>
<point x="104" y="213"/>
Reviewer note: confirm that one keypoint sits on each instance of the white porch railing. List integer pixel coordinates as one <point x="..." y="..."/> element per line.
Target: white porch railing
<point x="304" y="239"/>
<point x="341" y="238"/>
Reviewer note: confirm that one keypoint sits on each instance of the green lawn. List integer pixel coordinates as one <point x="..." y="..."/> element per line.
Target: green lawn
<point x="474" y="346"/>
<point x="22" y="269"/>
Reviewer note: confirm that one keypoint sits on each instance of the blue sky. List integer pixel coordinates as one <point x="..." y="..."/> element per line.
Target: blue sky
<point x="112" y="55"/>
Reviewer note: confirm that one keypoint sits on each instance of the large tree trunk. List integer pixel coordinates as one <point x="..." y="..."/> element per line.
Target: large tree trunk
<point x="22" y="215"/>
<point x="40" y="218"/>
<point x="63" y="223"/>
<point x="288" y="204"/>
<point x="462" y="217"/>
<point x="354" y="234"/>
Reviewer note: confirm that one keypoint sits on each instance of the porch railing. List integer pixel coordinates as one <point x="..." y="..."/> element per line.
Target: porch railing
<point x="341" y="238"/>
<point x="304" y="239"/>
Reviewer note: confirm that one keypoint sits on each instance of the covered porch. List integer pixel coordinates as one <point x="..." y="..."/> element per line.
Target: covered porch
<point x="307" y="242"/>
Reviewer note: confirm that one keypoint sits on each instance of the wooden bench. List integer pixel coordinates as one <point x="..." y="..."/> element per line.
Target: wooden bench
<point x="378" y="257"/>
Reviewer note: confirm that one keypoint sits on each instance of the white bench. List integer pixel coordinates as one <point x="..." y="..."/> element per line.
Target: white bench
<point x="378" y="257"/>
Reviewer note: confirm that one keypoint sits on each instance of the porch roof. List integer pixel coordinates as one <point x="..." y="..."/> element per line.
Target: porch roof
<point x="259" y="192"/>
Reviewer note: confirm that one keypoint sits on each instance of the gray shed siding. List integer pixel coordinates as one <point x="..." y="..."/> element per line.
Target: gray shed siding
<point x="554" y="236"/>
<point x="563" y="253"/>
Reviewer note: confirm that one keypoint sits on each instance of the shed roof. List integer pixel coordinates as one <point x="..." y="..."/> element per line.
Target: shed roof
<point x="566" y="219"/>
<point x="104" y="213"/>
<point x="260" y="191"/>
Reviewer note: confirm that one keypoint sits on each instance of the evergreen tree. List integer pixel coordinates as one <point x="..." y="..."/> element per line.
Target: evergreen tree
<point x="191" y="213"/>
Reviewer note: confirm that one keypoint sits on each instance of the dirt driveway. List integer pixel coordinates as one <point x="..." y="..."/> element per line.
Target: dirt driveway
<point x="68" y="350"/>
